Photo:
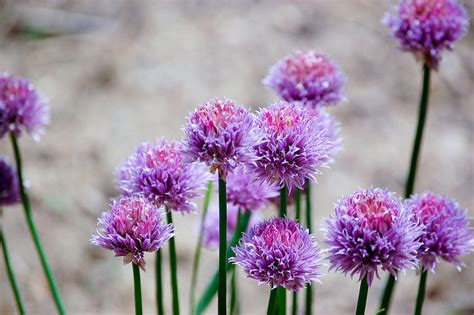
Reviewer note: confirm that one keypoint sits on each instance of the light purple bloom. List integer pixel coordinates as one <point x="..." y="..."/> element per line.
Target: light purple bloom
<point x="446" y="233"/>
<point x="21" y="107"/>
<point x="249" y="192"/>
<point x="220" y="134"/>
<point x="309" y="77"/>
<point x="295" y="144"/>
<point x="370" y="231"/>
<point x="133" y="226"/>
<point x="159" y="173"/>
<point x="9" y="193"/>
<point x="427" y="27"/>
<point x="210" y="235"/>
<point x="279" y="252"/>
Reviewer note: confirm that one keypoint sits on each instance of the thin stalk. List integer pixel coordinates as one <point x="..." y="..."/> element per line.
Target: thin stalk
<point x="197" y="251"/>
<point x="272" y="301"/>
<point x="234" y="295"/>
<point x="213" y="285"/>
<point x="137" y="289"/>
<point x="362" y="302"/>
<point x="410" y="184"/>
<point x="159" y="284"/>
<point x="283" y="201"/>
<point x="309" y="225"/>
<point x="421" y="292"/>
<point x="294" y="307"/>
<point x="11" y="275"/>
<point x="281" y="301"/>
<point x="173" y="268"/>
<point x="31" y="225"/>
<point x="222" y="289"/>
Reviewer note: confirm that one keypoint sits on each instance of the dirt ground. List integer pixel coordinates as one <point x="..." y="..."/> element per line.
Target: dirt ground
<point x="120" y="72"/>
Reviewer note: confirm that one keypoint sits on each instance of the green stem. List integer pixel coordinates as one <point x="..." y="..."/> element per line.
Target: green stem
<point x="272" y="301"/>
<point x="294" y="308"/>
<point x="11" y="275"/>
<point x="421" y="292"/>
<point x="222" y="289"/>
<point x="234" y="303"/>
<point x="173" y="268"/>
<point x="309" y="225"/>
<point x="137" y="289"/>
<point x="283" y="201"/>
<point x="31" y="225"/>
<point x="212" y="287"/>
<point x="362" y="302"/>
<point x="410" y="184"/>
<point x="197" y="251"/>
<point x="281" y="301"/>
<point x="159" y="283"/>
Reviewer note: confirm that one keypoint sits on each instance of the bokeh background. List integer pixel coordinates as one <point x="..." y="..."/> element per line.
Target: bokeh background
<point x="119" y="72"/>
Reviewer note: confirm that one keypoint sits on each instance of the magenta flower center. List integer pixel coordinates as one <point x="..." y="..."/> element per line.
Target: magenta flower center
<point x="373" y="211"/>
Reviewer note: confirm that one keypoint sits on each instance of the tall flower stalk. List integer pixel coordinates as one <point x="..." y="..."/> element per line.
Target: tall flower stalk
<point x="32" y="227"/>
<point x="11" y="274"/>
<point x="410" y="183"/>
<point x="197" y="251"/>
<point x="159" y="283"/>
<point x="173" y="268"/>
<point x="137" y="289"/>
<point x="309" y="224"/>
<point x="420" y="298"/>
<point x="294" y="307"/>
<point x="222" y="289"/>
<point x="362" y="300"/>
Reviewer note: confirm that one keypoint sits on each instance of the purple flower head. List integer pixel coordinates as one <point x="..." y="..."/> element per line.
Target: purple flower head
<point x="446" y="233"/>
<point x="279" y="252"/>
<point x="372" y="231"/>
<point x="210" y="235"/>
<point x="133" y="226"/>
<point x="9" y="193"/>
<point x="21" y="107"/>
<point x="332" y="127"/>
<point x="220" y="134"/>
<point x="159" y="173"/>
<point x="295" y="144"/>
<point x="427" y="27"/>
<point x="246" y="190"/>
<point x="309" y="77"/>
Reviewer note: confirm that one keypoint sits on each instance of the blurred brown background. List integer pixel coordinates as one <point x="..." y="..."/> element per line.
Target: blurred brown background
<point x="121" y="72"/>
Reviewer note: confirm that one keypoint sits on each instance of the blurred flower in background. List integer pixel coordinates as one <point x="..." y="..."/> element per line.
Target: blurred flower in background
<point x="9" y="193"/>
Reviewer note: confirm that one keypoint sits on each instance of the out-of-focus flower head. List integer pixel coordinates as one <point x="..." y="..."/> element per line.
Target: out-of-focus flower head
<point x="370" y="231"/>
<point x="279" y="252"/>
<point x="295" y="145"/>
<point x="21" y="107"/>
<point x="132" y="227"/>
<point x="427" y="27"/>
<point x="158" y="172"/>
<point x="446" y="233"/>
<point x="9" y="190"/>
<point x="210" y="228"/>
<point x="309" y="77"/>
<point x="220" y="134"/>
<point x="249" y="192"/>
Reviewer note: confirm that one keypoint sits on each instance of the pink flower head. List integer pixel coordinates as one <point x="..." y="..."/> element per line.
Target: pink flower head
<point x="370" y="231"/>
<point x="133" y="226"/>
<point x="220" y="134"/>
<point x="427" y="27"/>
<point x="247" y="190"/>
<point x="159" y="173"/>
<point x="295" y="144"/>
<point x="21" y="107"/>
<point x="446" y="233"/>
<point x="279" y="252"/>
<point x="309" y="77"/>
<point x="9" y="189"/>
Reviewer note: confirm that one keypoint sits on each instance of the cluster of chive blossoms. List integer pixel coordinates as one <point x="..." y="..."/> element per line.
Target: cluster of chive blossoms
<point x="132" y="227"/>
<point x="21" y="107"/>
<point x="295" y="144"/>
<point x="310" y="78"/>
<point x="427" y="27"/>
<point x="370" y="231"/>
<point x="279" y="252"/>
<point x="220" y="134"/>
<point x="9" y="193"/>
<point x="446" y="233"/>
<point x="159" y="173"/>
